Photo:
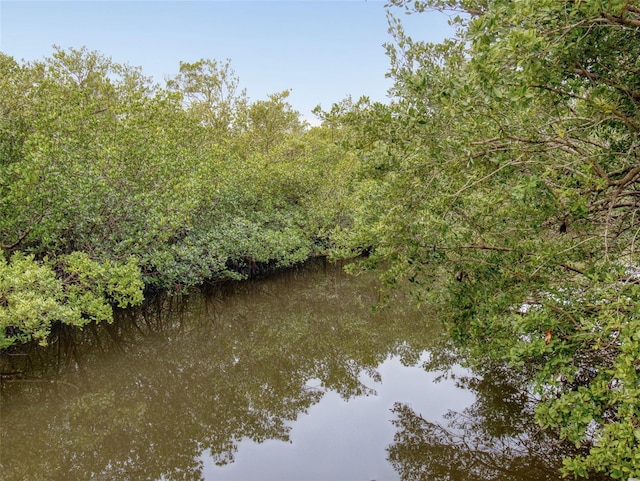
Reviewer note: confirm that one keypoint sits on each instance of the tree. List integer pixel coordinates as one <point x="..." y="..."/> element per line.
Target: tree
<point x="506" y="193"/>
<point x="210" y="93"/>
<point x="33" y="296"/>
<point x="271" y="121"/>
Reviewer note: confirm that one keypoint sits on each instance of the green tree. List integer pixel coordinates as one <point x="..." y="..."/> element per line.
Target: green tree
<point x="210" y="93"/>
<point x="33" y="296"/>
<point x="503" y="185"/>
<point x="271" y="121"/>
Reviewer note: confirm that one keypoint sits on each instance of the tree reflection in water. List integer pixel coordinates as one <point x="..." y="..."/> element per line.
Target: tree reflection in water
<point x="494" y="439"/>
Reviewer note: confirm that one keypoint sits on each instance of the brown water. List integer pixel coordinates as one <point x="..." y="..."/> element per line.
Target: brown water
<point x="289" y="378"/>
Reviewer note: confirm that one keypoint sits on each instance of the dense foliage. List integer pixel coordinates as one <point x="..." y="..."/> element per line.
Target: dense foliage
<point x="167" y="186"/>
<point x="503" y="183"/>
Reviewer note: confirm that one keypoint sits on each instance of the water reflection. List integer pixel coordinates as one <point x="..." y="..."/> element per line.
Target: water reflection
<point x="493" y="439"/>
<point x="174" y="390"/>
<point x="344" y="439"/>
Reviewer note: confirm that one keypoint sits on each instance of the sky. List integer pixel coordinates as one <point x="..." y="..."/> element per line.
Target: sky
<point x="322" y="51"/>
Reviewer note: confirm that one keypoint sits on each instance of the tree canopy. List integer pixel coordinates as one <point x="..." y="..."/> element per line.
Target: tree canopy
<point x="502" y="184"/>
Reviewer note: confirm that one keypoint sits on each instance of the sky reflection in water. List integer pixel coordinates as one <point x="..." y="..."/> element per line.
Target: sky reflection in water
<point x="346" y="439"/>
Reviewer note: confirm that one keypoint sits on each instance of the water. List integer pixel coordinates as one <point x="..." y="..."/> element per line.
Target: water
<point x="289" y="378"/>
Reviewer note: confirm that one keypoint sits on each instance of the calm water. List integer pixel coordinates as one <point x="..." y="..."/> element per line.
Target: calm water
<point x="289" y="378"/>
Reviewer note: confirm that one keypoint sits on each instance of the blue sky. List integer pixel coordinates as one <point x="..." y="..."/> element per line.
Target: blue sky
<point x="321" y="50"/>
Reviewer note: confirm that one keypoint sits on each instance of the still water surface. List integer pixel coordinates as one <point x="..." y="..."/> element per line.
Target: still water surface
<point x="289" y="378"/>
